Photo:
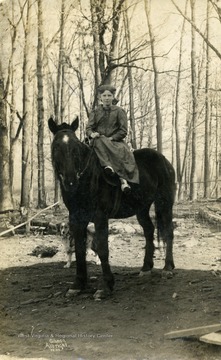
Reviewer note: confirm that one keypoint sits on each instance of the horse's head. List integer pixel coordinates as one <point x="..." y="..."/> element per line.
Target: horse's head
<point x="68" y="153"/>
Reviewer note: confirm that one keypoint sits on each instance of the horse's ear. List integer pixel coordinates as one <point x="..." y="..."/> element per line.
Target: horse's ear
<point x="75" y="124"/>
<point x="52" y="125"/>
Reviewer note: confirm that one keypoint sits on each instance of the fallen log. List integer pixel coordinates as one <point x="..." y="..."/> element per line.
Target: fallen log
<point x="28" y="220"/>
<point x="210" y="216"/>
<point x="212" y="338"/>
<point x="197" y="331"/>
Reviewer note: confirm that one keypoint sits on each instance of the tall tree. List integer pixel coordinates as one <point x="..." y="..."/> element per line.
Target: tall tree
<point x="27" y="111"/>
<point x="10" y="95"/>
<point x="6" y="203"/>
<point x="130" y="79"/>
<point x="98" y="29"/>
<point x="177" y="106"/>
<point x="58" y="88"/>
<point x="105" y="52"/>
<point x="193" y="192"/>
<point x="156" y="78"/>
<point x="193" y="24"/>
<point x="40" y="105"/>
<point x="207" y="106"/>
<point x="60" y="65"/>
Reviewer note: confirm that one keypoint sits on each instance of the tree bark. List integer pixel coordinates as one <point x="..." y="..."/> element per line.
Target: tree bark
<point x="156" y="81"/>
<point x="130" y="80"/>
<point x="40" y="104"/>
<point x="98" y="28"/>
<point x="193" y="190"/>
<point x="105" y="55"/>
<point x="207" y="112"/>
<point x="6" y="202"/>
<point x="176" y="111"/>
<point x="59" y="84"/>
<point x="27" y="110"/>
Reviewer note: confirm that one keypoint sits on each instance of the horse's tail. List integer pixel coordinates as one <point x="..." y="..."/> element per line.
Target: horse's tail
<point x="164" y="217"/>
<point x="158" y="233"/>
<point x="158" y="224"/>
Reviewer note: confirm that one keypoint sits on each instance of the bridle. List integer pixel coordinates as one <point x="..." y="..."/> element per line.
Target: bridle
<point x="80" y="172"/>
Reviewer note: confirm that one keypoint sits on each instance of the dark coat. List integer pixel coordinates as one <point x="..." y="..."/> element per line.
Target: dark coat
<point x="115" y="153"/>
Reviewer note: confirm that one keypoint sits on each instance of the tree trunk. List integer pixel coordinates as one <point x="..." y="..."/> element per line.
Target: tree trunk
<point x="97" y="38"/>
<point x="193" y="190"/>
<point x="13" y="141"/>
<point x="58" y="85"/>
<point x="104" y="54"/>
<point x="206" y="139"/>
<point x="41" y="168"/>
<point x="156" y="81"/>
<point x="6" y="203"/>
<point x="130" y="80"/>
<point x="176" y="112"/>
<point x="27" y="111"/>
<point x="111" y="65"/>
<point x="218" y="148"/>
<point x="60" y="64"/>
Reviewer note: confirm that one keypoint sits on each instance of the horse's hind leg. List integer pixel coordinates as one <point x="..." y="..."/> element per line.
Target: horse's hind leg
<point x="165" y="227"/>
<point x="144" y="220"/>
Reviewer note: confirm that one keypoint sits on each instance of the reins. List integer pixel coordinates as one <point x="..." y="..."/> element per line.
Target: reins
<point x="87" y="163"/>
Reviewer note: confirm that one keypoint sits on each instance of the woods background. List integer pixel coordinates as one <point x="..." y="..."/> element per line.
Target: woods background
<point x="162" y="55"/>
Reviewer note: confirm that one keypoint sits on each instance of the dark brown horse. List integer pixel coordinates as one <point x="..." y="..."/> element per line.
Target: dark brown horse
<point x="90" y="197"/>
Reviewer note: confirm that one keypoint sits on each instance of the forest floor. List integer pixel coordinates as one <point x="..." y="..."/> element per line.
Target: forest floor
<point x="38" y="321"/>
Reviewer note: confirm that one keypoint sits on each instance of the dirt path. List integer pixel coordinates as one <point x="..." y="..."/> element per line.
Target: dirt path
<point x="38" y="321"/>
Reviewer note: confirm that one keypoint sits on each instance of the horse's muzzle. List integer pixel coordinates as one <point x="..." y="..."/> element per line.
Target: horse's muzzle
<point x="69" y="185"/>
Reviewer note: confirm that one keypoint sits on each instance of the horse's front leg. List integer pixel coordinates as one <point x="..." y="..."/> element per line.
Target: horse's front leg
<point x="101" y="228"/>
<point x="78" y="231"/>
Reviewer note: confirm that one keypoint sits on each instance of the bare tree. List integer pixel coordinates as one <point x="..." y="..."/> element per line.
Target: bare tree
<point x="60" y="64"/>
<point x="10" y="96"/>
<point x="193" y="193"/>
<point x="130" y="79"/>
<point x="58" y="87"/>
<point x="6" y="203"/>
<point x="40" y="105"/>
<point x="98" y="29"/>
<point x="156" y="80"/>
<point x="27" y="110"/>
<point x="216" y="51"/>
<point x="207" y="112"/>
<point x="105" y="54"/>
<point x="176" y="107"/>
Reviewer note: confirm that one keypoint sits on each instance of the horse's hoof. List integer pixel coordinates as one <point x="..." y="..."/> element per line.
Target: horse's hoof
<point x="67" y="266"/>
<point x="167" y="274"/>
<point x="72" y="292"/>
<point x="145" y="273"/>
<point x="101" y="294"/>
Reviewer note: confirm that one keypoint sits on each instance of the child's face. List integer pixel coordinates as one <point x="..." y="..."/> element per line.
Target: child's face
<point x="107" y="98"/>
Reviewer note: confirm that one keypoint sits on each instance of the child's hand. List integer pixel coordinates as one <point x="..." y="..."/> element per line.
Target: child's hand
<point x="107" y="137"/>
<point x="95" y="135"/>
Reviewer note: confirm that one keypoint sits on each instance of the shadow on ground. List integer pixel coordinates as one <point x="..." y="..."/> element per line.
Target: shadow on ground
<point x="38" y="320"/>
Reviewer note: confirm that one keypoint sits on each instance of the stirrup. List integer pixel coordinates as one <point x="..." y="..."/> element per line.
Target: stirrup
<point x="109" y="170"/>
<point x="125" y="187"/>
